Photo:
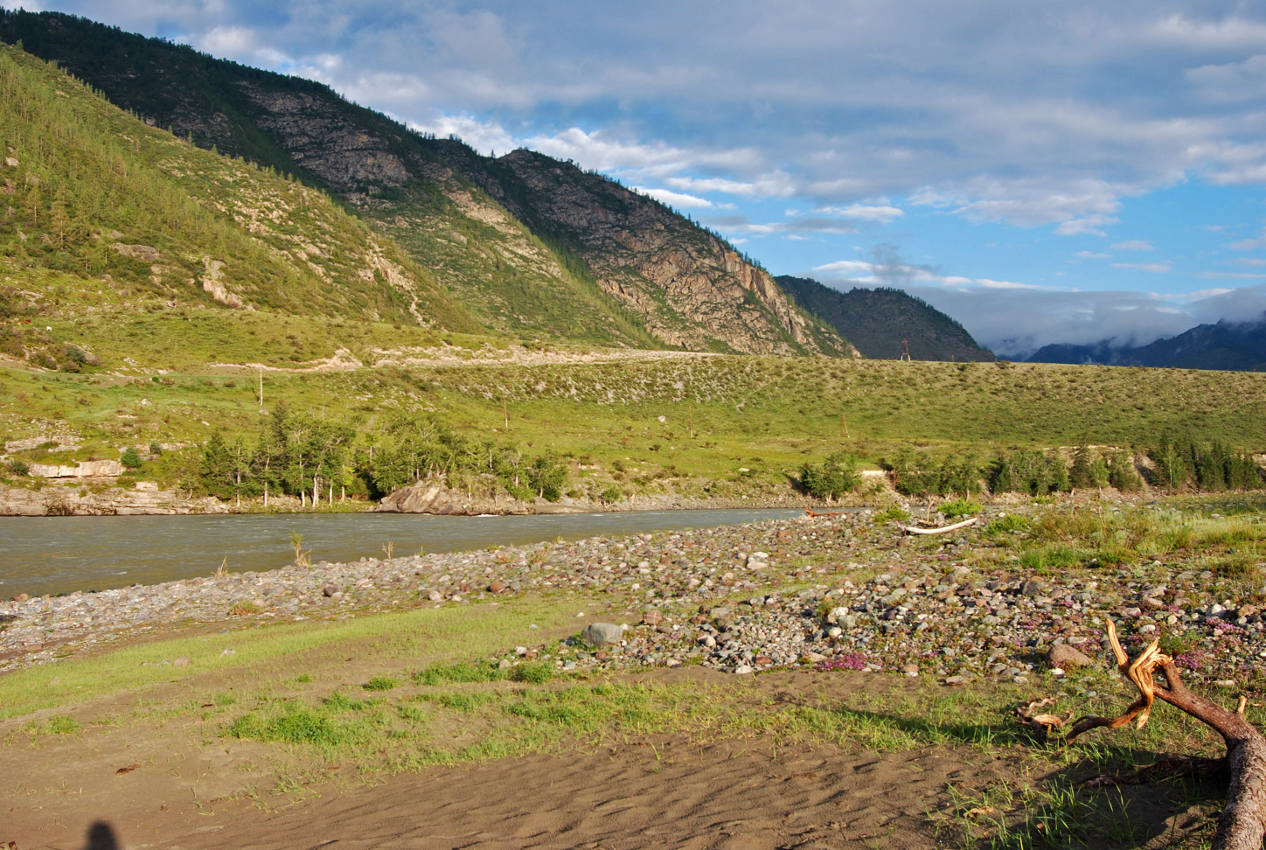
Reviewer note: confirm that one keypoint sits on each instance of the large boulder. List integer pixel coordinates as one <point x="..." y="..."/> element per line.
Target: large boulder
<point x="428" y="496"/>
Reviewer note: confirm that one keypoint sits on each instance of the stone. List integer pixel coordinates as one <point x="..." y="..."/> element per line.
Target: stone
<point x="182" y="661"/>
<point x="652" y="617"/>
<point x="1066" y="657"/>
<point x="329" y="590"/>
<point x="435" y="596"/>
<point x="601" y="634"/>
<point x="722" y="617"/>
<point x="836" y="615"/>
<point x="496" y="587"/>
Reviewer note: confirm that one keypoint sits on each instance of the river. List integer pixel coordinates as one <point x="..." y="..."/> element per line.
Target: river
<point x="54" y="555"/>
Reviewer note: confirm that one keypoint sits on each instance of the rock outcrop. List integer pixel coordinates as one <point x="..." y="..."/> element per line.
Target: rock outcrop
<point x="433" y="496"/>
<point x="57" y="500"/>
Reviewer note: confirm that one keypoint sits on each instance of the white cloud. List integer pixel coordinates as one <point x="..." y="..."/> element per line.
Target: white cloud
<point x="1232" y="81"/>
<point x="483" y="136"/>
<point x="881" y="213"/>
<point x="1250" y="244"/>
<point x="1090" y="226"/>
<point x="1133" y="245"/>
<point x="1006" y="284"/>
<point x="1153" y="268"/>
<point x="674" y="199"/>
<point x="227" y="41"/>
<point x="1231" y="32"/>
<point x="1092" y="255"/>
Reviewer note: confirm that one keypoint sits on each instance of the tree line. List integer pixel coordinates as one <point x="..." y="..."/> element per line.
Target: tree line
<point x="311" y="458"/>
<point x="1173" y="463"/>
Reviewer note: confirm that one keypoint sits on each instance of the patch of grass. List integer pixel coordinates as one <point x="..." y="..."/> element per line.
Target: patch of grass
<point x="433" y="632"/>
<point x="891" y="513"/>
<point x="325" y="728"/>
<point x="380" y="683"/>
<point x="62" y="724"/>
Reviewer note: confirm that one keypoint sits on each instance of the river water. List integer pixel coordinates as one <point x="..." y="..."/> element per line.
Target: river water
<point x="52" y="555"/>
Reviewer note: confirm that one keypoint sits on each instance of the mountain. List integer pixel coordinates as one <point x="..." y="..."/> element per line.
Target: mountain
<point x="528" y="245"/>
<point x="880" y="322"/>
<point x="1232" y="346"/>
<point x="102" y="217"/>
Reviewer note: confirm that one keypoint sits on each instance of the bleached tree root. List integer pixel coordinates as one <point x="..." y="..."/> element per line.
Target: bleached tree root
<point x="1242" y="824"/>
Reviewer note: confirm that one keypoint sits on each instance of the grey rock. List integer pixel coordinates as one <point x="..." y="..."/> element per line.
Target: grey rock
<point x="1068" y="657"/>
<point x="601" y="634"/>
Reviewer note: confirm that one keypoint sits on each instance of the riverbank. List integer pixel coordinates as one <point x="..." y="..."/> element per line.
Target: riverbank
<point x="102" y="497"/>
<point x="846" y="589"/>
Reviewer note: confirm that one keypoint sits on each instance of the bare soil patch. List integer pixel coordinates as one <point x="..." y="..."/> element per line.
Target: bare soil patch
<point x="173" y="781"/>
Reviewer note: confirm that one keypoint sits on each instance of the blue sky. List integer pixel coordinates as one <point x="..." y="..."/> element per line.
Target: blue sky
<point x="1044" y="172"/>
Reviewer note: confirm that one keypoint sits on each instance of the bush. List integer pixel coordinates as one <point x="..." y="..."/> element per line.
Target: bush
<point x="1122" y="474"/>
<point x="832" y="478"/>
<point x="919" y="475"/>
<point x="130" y="459"/>
<point x="1028" y="471"/>
<point x="959" y="508"/>
<point x="1087" y="471"/>
<point x="19" y="467"/>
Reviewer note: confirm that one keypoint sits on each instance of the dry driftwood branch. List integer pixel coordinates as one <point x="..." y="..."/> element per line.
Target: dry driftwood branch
<point x="1242" y="824"/>
<point x="914" y="529"/>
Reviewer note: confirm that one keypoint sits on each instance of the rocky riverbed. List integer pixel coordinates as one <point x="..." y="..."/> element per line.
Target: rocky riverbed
<point x="844" y="591"/>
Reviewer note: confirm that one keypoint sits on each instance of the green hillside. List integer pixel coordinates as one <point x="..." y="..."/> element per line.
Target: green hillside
<point x="532" y="247"/>
<point x="104" y="215"/>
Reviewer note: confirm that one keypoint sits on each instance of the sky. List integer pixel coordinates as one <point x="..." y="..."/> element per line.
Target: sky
<point x="1042" y="171"/>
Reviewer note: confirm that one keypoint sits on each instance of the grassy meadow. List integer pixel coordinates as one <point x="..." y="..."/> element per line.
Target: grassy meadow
<point x="714" y="426"/>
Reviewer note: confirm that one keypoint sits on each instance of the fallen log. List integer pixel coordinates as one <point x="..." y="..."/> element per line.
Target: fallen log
<point x="944" y="529"/>
<point x="1242" y="824"/>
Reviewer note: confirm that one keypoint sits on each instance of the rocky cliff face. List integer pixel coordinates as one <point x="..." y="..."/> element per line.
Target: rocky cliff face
<point x="689" y="287"/>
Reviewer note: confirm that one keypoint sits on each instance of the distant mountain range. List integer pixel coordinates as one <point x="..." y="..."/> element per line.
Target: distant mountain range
<point x="882" y="322"/>
<point x="1235" y="346"/>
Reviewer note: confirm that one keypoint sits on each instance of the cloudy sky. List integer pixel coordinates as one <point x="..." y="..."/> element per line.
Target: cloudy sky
<point x="1043" y="171"/>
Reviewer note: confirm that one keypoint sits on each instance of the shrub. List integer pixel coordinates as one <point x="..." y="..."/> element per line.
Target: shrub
<point x="1087" y="471"/>
<point x="130" y="459"/>
<point x="832" y="478"/>
<point x="1028" y="471"/>
<point x="959" y="508"/>
<point x="1121" y="472"/>
<point x="892" y="513"/>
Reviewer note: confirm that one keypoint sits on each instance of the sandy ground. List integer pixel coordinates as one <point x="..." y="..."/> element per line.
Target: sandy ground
<point x="179" y="784"/>
<point x="664" y="794"/>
